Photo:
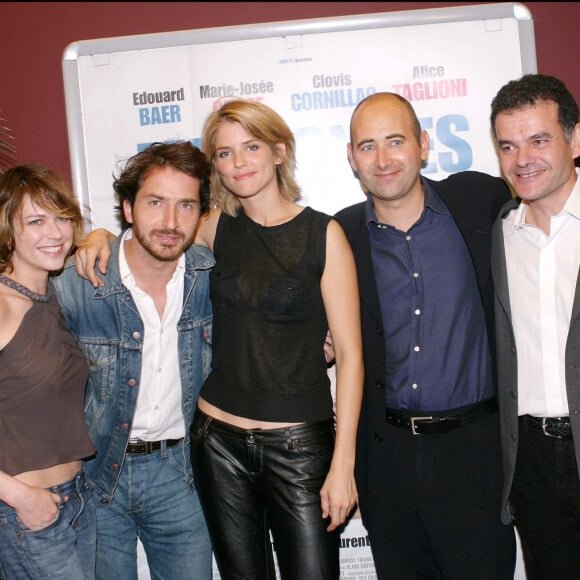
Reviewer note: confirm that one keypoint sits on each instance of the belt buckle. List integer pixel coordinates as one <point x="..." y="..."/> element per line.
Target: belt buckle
<point x="145" y="445"/>
<point x="414" y="420"/>
<point x="544" y="426"/>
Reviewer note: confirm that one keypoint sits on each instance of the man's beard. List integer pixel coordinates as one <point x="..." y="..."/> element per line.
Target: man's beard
<point x="159" y="251"/>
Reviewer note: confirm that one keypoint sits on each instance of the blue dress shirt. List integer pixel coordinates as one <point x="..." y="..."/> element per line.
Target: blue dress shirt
<point x="434" y="327"/>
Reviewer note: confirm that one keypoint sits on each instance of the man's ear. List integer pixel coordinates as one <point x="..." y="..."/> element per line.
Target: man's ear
<point x="128" y="211"/>
<point x="424" y="141"/>
<point x="351" y="160"/>
<point x="575" y="141"/>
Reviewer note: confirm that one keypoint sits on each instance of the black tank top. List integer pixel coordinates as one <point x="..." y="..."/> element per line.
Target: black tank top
<point x="269" y="321"/>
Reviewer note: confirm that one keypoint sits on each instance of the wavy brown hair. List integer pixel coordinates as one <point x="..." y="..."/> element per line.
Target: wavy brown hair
<point x="179" y="155"/>
<point x="47" y="190"/>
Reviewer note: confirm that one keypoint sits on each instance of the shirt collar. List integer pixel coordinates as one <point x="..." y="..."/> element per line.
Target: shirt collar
<point x="124" y="271"/>
<point x="432" y="201"/>
<point x="571" y="207"/>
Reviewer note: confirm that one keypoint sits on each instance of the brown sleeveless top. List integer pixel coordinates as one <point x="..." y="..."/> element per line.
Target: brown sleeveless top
<point x="43" y="375"/>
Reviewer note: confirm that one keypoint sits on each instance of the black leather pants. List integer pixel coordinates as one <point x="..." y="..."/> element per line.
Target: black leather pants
<point x="251" y="482"/>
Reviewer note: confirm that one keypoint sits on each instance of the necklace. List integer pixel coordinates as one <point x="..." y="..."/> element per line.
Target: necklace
<point x="23" y="290"/>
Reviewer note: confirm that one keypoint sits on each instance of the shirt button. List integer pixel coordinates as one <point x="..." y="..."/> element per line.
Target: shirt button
<point x="136" y="335"/>
<point x="407" y="238"/>
<point x="416" y="348"/>
<point x="418" y="311"/>
<point x="415" y="386"/>
<point x="131" y="382"/>
<point x="115" y="467"/>
<point x="415" y="274"/>
<point x="124" y="426"/>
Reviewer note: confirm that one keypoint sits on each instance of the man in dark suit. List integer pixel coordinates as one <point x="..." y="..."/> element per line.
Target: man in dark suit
<point x="536" y="258"/>
<point x="428" y="460"/>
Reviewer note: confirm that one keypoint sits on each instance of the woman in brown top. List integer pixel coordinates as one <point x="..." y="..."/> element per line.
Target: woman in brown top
<point x="47" y="523"/>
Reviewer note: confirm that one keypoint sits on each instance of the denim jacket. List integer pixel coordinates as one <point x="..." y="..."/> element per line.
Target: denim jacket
<point x="106" y="324"/>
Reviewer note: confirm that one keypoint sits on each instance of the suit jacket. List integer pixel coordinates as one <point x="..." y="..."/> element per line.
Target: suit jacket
<point x="508" y="367"/>
<point x="474" y="200"/>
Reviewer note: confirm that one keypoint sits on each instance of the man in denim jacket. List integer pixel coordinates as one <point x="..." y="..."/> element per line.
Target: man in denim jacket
<point x="145" y="331"/>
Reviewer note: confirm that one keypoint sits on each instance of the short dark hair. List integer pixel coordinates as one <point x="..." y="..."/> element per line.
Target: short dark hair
<point x="531" y="89"/>
<point x="180" y="155"/>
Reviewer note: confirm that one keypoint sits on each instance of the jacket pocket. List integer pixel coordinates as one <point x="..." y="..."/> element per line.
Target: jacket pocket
<point x="102" y="361"/>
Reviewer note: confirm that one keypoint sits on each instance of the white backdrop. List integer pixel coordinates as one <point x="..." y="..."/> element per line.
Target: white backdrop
<point x="124" y="93"/>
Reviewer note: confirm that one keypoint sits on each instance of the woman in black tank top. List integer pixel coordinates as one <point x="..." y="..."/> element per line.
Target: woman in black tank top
<point x="273" y="455"/>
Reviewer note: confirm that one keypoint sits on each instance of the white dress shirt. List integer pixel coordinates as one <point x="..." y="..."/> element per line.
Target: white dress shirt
<point x="542" y="273"/>
<point x="159" y="413"/>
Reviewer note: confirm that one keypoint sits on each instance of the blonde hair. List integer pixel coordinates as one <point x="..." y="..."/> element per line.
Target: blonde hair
<point x="47" y="190"/>
<point x="263" y="124"/>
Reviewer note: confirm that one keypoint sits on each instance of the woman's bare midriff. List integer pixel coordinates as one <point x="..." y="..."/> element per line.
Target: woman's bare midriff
<point x="241" y="422"/>
<point x="50" y="476"/>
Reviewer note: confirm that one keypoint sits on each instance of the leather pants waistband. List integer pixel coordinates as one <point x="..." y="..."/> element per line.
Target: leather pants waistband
<point x="264" y="436"/>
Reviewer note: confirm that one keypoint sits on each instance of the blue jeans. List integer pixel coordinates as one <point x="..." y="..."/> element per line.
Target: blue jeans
<point x="156" y="502"/>
<point x="65" y="550"/>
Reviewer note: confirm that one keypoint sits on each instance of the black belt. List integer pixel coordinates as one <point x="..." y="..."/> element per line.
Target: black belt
<point x="558" y="427"/>
<point x="428" y="425"/>
<point x="144" y="447"/>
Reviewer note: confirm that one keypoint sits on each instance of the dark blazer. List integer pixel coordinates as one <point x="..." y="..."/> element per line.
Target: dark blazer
<point x="508" y="368"/>
<point x="474" y="200"/>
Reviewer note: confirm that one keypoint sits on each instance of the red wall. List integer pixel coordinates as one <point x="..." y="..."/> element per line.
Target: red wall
<point x="35" y="34"/>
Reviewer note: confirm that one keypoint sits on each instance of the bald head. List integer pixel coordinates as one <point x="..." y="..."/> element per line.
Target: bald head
<point x="386" y="102"/>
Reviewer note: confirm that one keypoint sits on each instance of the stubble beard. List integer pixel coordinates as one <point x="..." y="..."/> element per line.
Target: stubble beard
<point x="159" y="251"/>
